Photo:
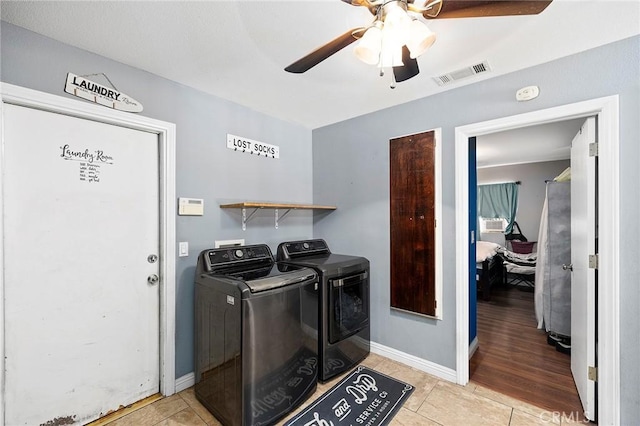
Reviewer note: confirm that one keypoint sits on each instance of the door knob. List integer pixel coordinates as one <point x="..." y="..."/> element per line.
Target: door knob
<point x="567" y="267"/>
<point x="153" y="279"/>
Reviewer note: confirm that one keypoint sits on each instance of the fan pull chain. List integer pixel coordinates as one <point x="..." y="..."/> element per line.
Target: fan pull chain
<point x="393" y="78"/>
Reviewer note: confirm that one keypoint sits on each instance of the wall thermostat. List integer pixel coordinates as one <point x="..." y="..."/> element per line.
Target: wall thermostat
<point x="527" y="93"/>
<point x="190" y="206"/>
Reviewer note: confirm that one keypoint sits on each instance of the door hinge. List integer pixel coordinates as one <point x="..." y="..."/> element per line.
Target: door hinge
<point x="435" y="304"/>
<point x="593" y="149"/>
<point x="593" y="374"/>
<point x="593" y="261"/>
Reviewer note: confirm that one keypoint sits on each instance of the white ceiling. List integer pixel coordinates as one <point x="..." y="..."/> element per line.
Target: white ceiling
<point x="237" y="50"/>
<point x="545" y="142"/>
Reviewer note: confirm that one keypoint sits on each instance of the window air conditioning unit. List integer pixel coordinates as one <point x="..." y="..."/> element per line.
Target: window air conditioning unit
<point x="494" y="225"/>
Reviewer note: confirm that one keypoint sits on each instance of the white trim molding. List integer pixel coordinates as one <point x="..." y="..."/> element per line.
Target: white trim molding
<point x="608" y="345"/>
<point x="185" y="382"/>
<point x="473" y="347"/>
<point x="415" y="362"/>
<point x="15" y="95"/>
<point x="189" y="379"/>
<point x="438" y="217"/>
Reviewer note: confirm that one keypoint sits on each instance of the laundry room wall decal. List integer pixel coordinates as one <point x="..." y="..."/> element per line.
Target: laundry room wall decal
<point x="90" y="161"/>
<point x="240" y="144"/>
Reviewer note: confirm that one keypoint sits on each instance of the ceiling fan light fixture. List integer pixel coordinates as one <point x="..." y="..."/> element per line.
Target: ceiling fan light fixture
<point x="390" y="55"/>
<point x="395" y="31"/>
<point x="369" y="46"/>
<point x="396" y="20"/>
<point x="421" y="38"/>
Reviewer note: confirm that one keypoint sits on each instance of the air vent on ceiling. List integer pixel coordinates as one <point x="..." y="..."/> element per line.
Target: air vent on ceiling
<point x="462" y="73"/>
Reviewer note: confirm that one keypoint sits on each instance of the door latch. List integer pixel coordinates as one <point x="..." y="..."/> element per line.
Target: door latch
<point x="593" y="374"/>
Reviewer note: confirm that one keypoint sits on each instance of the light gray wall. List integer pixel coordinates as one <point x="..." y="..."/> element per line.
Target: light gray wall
<point x="205" y="167"/>
<point x="531" y="191"/>
<point x="351" y="169"/>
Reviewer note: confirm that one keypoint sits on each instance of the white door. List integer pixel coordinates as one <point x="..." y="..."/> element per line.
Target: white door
<point x="583" y="278"/>
<point x="81" y="203"/>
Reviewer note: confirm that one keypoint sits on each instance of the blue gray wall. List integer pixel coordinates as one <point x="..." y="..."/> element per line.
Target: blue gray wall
<point x="350" y="169"/>
<point x="205" y="168"/>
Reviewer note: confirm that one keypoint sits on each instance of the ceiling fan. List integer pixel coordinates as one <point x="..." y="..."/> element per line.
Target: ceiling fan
<point x="397" y="36"/>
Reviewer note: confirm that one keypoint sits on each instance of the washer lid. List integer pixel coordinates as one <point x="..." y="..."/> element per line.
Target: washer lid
<point x="281" y="276"/>
<point x="330" y="263"/>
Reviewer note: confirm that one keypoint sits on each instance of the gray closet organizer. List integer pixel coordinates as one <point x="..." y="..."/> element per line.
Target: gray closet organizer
<point x="557" y="281"/>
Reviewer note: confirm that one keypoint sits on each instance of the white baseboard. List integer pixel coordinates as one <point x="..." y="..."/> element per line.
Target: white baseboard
<point x="415" y="362"/>
<point x="189" y="379"/>
<point x="185" y="382"/>
<point x="473" y="347"/>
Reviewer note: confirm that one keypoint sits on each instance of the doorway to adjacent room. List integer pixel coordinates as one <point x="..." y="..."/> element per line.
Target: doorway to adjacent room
<point x="606" y="109"/>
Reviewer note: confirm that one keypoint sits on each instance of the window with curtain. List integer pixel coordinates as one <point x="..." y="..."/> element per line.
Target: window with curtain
<point x="498" y="200"/>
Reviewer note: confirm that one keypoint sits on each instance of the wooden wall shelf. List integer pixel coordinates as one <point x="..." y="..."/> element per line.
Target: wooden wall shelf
<point x="260" y="205"/>
<point x="271" y="206"/>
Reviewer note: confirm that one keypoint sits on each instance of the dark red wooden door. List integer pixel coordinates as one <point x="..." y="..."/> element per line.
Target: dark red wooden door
<point x="412" y="195"/>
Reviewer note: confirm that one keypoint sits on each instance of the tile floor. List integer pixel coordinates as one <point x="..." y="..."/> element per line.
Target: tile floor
<point x="433" y="402"/>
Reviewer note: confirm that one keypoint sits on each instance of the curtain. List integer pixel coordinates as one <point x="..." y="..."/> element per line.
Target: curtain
<point x="498" y="200"/>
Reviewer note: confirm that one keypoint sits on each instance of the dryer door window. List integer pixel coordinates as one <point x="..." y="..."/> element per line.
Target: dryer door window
<point x="348" y="305"/>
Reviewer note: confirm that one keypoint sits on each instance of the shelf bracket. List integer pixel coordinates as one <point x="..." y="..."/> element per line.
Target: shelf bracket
<point x="280" y="217"/>
<point x="246" y="219"/>
<point x="275" y="206"/>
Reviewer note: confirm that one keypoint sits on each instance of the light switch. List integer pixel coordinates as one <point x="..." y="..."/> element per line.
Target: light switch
<point x="183" y="249"/>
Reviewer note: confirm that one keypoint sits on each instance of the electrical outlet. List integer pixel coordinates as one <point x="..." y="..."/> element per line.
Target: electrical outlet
<point x="229" y="243"/>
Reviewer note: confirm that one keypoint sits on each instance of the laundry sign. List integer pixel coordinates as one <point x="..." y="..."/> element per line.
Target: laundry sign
<point x="249" y="146"/>
<point x="108" y="96"/>
<point x="89" y="161"/>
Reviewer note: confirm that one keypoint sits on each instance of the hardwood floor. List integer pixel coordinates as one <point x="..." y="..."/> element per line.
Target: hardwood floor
<point x="514" y="358"/>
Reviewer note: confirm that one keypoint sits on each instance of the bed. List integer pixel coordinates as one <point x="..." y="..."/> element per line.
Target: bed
<point x="520" y="269"/>
<point x="496" y="265"/>
<point x="489" y="268"/>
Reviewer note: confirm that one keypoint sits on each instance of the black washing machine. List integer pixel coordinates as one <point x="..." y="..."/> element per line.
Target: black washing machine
<point x="256" y="328"/>
<point x="343" y="326"/>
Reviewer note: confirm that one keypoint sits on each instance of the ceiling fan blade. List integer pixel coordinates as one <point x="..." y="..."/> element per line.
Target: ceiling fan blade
<point x="409" y="69"/>
<point x="477" y="9"/>
<point x="323" y="52"/>
<point x="366" y="3"/>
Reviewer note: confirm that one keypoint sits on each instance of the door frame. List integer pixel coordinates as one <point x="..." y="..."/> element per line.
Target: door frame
<point x="608" y="346"/>
<point x="166" y="132"/>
